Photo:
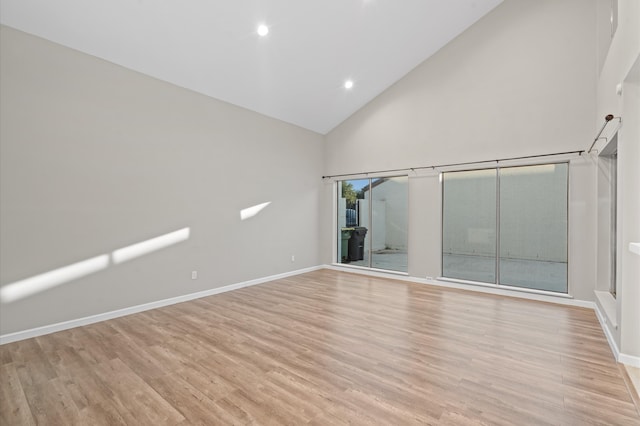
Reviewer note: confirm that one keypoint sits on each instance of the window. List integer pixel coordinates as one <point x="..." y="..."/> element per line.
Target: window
<point x="607" y="203"/>
<point x="372" y="223"/>
<point x="507" y="226"/>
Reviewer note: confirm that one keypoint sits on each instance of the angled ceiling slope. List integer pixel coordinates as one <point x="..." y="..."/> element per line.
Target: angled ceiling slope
<point x="296" y="73"/>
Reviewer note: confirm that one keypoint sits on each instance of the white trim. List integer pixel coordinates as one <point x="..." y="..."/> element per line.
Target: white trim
<point x="338" y="267"/>
<point x="630" y="360"/>
<point x="562" y="299"/>
<point x="52" y="328"/>
<point x="608" y="305"/>
<point x="603" y="323"/>
<point x="506" y="287"/>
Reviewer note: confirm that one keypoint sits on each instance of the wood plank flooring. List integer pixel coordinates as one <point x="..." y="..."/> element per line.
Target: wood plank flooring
<point x="323" y="348"/>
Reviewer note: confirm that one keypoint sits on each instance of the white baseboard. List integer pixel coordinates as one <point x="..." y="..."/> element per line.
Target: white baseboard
<point x="603" y="324"/>
<point x="52" y="328"/>
<point x="631" y="360"/>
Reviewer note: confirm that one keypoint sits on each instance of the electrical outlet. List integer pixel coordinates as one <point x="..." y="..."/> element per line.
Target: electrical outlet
<point x="430" y="278"/>
<point x="194" y="275"/>
<point x="293" y="258"/>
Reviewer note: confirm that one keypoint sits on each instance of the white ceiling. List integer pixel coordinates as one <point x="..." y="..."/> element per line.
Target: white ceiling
<point x="296" y="73"/>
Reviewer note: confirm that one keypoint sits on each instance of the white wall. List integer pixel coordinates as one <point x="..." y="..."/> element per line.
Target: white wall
<point x="629" y="280"/>
<point x="521" y="81"/>
<point x="622" y="66"/>
<point x="95" y="157"/>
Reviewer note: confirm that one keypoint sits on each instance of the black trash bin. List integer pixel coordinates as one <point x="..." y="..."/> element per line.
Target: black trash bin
<point x="356" y="243"/>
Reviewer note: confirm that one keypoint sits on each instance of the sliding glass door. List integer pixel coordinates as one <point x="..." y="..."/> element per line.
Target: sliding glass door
<point x="533" y="227"/>
<point x="372" y="223"/>
<point x="507" y="226"/>
<point x="469" y="225"/>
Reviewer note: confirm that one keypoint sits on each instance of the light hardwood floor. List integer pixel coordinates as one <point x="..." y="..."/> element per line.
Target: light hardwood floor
<point x="324" y="348"/>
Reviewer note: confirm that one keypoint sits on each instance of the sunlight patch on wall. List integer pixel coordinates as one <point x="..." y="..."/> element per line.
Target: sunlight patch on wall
<point x="250" y="212"/>
<point x="145" y="247"/>
<point x="48" y="280"/>
<point x="38" y="283"/>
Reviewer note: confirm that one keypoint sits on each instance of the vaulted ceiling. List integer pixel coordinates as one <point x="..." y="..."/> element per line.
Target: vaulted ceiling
<point x="295" y="73"/>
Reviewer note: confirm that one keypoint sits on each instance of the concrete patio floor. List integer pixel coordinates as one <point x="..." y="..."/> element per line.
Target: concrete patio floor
<point x="539" y="275"/>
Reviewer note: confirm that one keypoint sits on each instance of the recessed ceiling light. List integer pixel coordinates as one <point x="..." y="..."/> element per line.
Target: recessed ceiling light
<point x="263" y="30"/>
<point x="348" y="84"/>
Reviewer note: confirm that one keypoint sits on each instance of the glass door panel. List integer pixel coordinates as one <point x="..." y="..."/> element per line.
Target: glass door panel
<point x="389" y="204"/>
<point x="353" y="216"/>
<point x="469" y="225"/>
<point x="533" y="227"/>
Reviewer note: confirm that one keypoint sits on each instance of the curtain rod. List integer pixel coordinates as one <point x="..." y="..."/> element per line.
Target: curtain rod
<point x="468" y="163"/>
<point x="607" y="119"/>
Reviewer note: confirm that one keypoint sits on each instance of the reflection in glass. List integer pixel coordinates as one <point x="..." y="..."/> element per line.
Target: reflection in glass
<point x="389" y="202"/>
<point x="533" y="227"/>
<point x="469" y="225"/>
